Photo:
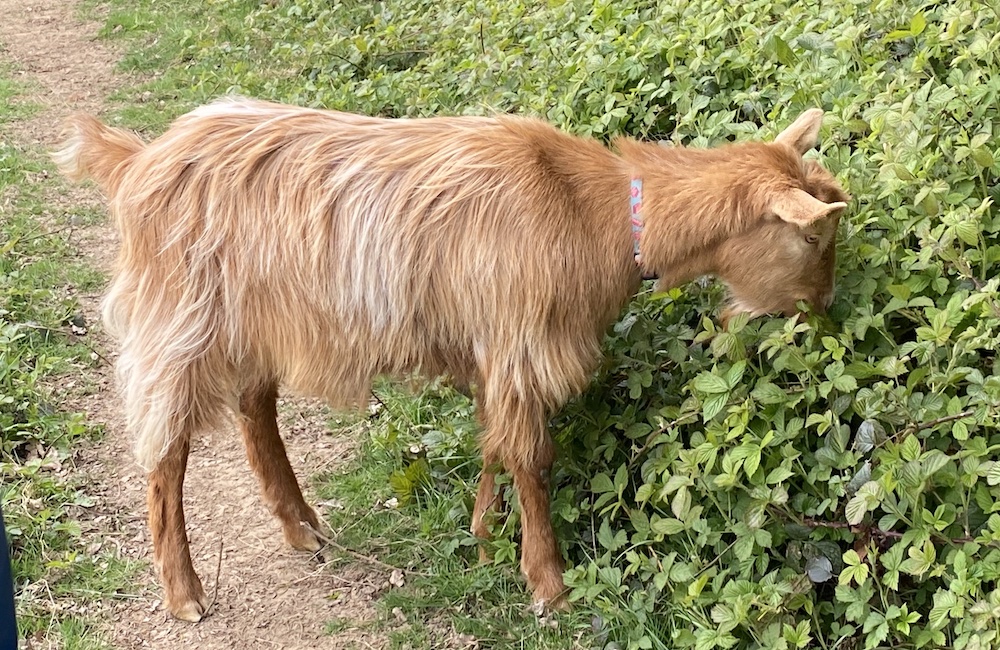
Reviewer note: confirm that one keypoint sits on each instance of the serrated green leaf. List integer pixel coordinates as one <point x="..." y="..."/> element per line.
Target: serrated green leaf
<point x="932" y="461"/>
<point x="910" y="449"/>
<point x="666" y="525"/>
<point x="676" y="482"/>
<point x="639" y="521"/>
<point x="856" y="509"/>
<point x="621" y="479"/>
<point x="643" y="492"/>
<point x="601" y="483"/>
<point x="993" y="475"/>
<point x="638" y="430"/>
<point x="782" y="51"/>
<point x="714" y="404"/>
<point x="867" y="498"/>
<point x="944" y="602"/>
<point x="752" y="461"/>
<point x="778" y="475"/>
<point x="983" y="158"/>
<point x="681" y="503"/>
<point x="735" y="374"/>
<point x="845" y="383"/>
<point x="855" y="573"/>
<point x="892" y="560"/>
<point x="968" y="232"/>
<point x="920" y="559"/>
<point x="706" y="382"/>
<point x="768" y="393"/>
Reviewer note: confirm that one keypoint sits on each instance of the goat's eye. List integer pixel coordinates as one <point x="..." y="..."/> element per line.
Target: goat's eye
<point x="812" y="239"/>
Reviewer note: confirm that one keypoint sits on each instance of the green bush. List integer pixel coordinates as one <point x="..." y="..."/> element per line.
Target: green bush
<point x="830" y="482"/>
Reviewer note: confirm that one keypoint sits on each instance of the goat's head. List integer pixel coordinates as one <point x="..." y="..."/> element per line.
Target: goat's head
<point x="789" y="252"/>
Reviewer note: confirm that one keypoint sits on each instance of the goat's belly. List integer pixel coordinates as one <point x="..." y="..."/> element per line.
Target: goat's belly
<point x="329" y="352"/>
<point x="342" y="380"/>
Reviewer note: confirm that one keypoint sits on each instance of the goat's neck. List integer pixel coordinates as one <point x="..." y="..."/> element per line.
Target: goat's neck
<point x="691" y="203"/>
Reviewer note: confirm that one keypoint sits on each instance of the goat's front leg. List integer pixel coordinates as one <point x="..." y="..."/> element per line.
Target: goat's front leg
<point x="541" y="562"/>
<point x="518" y="434"/>
<point x="184" y="596"/>
<point x="266" y="453"/>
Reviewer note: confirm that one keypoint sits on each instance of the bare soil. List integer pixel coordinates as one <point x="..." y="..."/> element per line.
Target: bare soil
<point x="268" y="595"/>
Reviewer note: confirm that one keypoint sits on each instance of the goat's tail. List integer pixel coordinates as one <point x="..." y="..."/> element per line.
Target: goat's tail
<point x="96" y="151"/>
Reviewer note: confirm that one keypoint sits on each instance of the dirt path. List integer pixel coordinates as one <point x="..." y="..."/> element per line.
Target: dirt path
<point x="268" y="595"/>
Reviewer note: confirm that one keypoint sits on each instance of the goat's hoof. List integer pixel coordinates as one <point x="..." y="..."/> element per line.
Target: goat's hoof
<point x="558" y="604"/>
<point x="192" y="610"/>
<point x="542" y="607"/>
<point x="303" y="538"/>
<point x="550" y="596"/>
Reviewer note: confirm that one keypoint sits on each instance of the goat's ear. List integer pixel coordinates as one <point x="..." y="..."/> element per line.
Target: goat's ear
<point x="803" y="134"/>
<point x="801" y="208"/>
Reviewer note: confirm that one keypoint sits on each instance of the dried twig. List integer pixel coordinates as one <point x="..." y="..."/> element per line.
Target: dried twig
<point x="98" y="354"/>
<point x="358" y="556"/>
<point x="875" y="531"/>
<point x="379" y="402"/>
<point x="313" y="574"/>
<point x="914" y="427"/>
<point x="656" y="432"/>
<point x="218" y="572"/>
<point x="920" y="426"/>
<point x="47" y="233"/>
<point x="60" y="330"/>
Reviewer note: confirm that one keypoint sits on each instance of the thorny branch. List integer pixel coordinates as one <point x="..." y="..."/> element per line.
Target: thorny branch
<point x="656" y="432"/>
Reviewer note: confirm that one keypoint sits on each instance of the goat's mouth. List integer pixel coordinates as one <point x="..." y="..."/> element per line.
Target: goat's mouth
<point x="737" y="306"/>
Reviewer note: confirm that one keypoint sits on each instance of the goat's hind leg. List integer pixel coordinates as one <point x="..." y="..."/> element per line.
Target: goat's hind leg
<point x="489" y="499"/>
<point x="266" y="453"/>
<point x="184" y="596"/>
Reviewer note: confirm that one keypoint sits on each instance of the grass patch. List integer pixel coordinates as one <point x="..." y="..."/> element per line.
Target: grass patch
<point x="412" y="512"/>
<point x="163" y="40"/>
<point x="42" y="501"/>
